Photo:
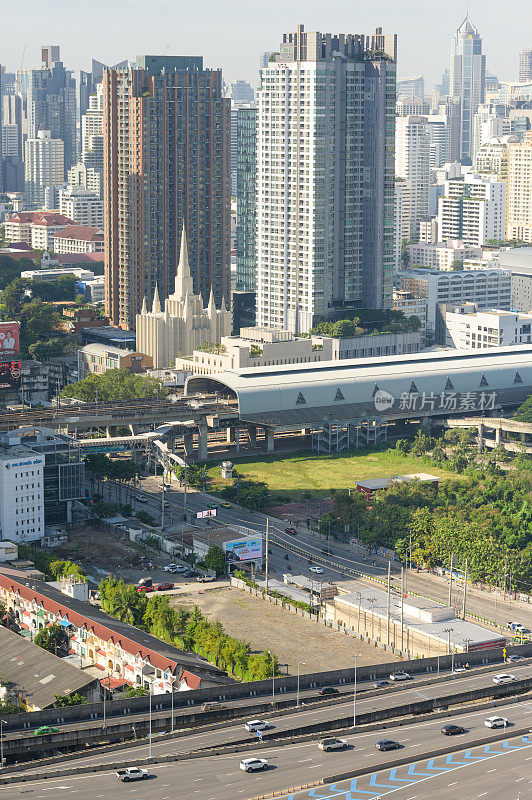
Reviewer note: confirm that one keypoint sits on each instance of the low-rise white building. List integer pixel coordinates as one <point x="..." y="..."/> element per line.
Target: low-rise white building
<point x="411" y="306"/>
<point x="52" y="275"/>
<point x="79" y="239"/>
<point x="443" y="254"/>
<point x="466" y="328"/>
<point x="98" y="358"/>
<point x="21" y="494"/>
<point x="489" y="288"/>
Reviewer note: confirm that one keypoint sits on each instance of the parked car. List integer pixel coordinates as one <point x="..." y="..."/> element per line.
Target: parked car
<point x="163" y="587"/>
<point x="387" y="744"/>
<point x="257" y="725"/>
<point x="317" y="570"/>
<point x="132" y="774"/>
<point x="145" y="582"/>
<point x="332" y="743"/>
<point x="212" y="705"/>
<point x="170" y="567"/>
<point x="452" y="730"/>
<point x="496" y="722"/>
<point x="44" y="730"/>
<point x="513" y="659"/>
<point x="145" y="589"/>
<point x="328" y="690"/>
<point x="141" y="499"/>
<point x="189" y="573"/>
<point x="504" y="677"/>
<point x="380" y="684"/>
<point x="400" y="676"/>
<point x="291" y="530"/>
<point x="253" y="764"/>
<point x="206" y="578"/>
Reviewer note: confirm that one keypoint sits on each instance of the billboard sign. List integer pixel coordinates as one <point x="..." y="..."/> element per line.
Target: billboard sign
<point x="248" y="548"/>
<point x="10" y="374"/>
<point x="9" y="336"/>
<point x="209" y="512"/>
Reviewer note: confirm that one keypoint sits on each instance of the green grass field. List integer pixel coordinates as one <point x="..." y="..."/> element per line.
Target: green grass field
<point x="288" y="474"/>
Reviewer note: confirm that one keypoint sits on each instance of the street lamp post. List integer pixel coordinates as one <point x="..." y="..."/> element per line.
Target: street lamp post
<point x="297" y="701"/>
<point x="149" y="735"/>
<point x="2" y="723"/>
<point x="173" y="681"/>
<point x="355" y="697"/>
<point x="273" y="677"/>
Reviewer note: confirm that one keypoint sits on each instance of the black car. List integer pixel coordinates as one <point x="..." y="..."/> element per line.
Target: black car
<point x="380" y="684"/>
<point x="328" y="690"/>
<point x="387" y="744"/>
<point x="452" y="730"/>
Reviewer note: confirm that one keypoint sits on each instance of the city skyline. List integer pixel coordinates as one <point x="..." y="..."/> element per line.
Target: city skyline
<point x="229" y="37"/>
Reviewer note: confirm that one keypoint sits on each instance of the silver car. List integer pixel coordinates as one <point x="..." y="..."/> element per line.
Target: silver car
<point x="253" y="764"/>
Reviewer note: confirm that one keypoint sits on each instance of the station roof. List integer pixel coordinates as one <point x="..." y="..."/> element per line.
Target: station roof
<point x="299" y="394"/>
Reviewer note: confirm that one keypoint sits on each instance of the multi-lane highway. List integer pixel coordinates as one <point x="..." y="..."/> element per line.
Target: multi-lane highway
<point x="220" y="778"/>
<point x="306" y="715"/>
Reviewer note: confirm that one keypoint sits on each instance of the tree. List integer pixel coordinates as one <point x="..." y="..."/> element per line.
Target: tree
<point x="115" y="384"/>
<point x="405" y="254"/>
<point x="215" y="560"/>
<point x="51" y="639"/>
<point x="457" y="266"/>
<point x="135" y="691"/>
<point x="524" y="412"/>
<point x="65" y="700"/>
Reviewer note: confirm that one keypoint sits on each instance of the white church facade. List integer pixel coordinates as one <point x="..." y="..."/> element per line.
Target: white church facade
<point x="184" y="325"/>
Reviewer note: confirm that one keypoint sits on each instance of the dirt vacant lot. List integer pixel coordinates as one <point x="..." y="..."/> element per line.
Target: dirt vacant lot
<point x="291" y="638"/>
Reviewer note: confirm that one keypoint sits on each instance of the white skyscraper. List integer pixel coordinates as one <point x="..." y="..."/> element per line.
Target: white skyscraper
<point x="525" y="65"/>
<point x="44" y="166"/>
<point x="467" y="80"/>
<point x="325" y="177"/>
<point x="412" y="163"/>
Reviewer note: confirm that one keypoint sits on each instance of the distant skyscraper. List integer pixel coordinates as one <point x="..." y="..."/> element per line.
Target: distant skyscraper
<point x="51" y="102"/>
<point x="472" y="209"/>
<point x="413" y="87"/>
<point x="166" y="163"/>
<point x="412" y="163"/>
<point x="325" y="177"/>
<point x="246" y="198"/>
<point x="525" y="65"/>
<point x="467" y="80"/>
<point x="242" y="92"/>
<point x="44" y="166"/>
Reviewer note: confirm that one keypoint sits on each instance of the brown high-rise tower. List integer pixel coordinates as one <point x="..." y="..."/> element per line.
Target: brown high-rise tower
<point x="166" y="163"/>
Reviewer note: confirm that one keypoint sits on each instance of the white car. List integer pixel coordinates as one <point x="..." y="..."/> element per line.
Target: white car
<point x="252" y="764"/>
<point x="257" y="725"/>
<point x="170" y="567"/>
<point x="496" y="722"/>
<point x="332" y="743"/>
<point x="457" y="670"/>
<point x="504" y="677"/>
<point x="399" y="676"/>
<point x="317" y="570"/>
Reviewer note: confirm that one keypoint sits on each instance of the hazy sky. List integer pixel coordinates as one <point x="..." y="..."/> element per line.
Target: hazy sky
<point x="232" y="33"/>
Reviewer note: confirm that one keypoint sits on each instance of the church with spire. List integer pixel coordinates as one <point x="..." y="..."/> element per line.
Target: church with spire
<point x="184" y="325"/>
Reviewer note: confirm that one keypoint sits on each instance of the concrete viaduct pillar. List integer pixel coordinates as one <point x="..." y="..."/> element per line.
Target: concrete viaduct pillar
<point x="252" y="435"/>
<point x="497" y="436"/>
<point x="188" y="444"/>
<point x="202" y="441"/>
<point x="111" y="431"/>
<point x="230" y="435"/>
<point x="270" y="442"/>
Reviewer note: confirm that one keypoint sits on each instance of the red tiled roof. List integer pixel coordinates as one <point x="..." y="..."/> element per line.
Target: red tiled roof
<point x="83" y="233"/>
<point x="191" y="680"/>
<point x="47" y="218"/>
<point x="80" y="621"/>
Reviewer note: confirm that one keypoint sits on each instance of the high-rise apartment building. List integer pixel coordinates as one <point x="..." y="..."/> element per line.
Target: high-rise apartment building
<point x="246" y="198"/>
<point x="412" y="86"/>
<point x="492" y="157"/>
<point x="81" y="205"/>
<point x="525" y="65"/>
<point x="44" y="166"/>
<point x="491" y="120"/>
<point x="467" y="80"/>
<point x="519" y="220"/>
<point x="325" y="177"/>
<point x="409" y="105"/>
<point x="166" y="163"/>
<point x="412" y="163"/>
<point x="472" y="209"/>
<point x="51" y="102"/>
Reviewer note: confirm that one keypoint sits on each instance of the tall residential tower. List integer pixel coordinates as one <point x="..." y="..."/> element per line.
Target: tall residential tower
<point x="325" y="177"/>
<point x="166" y="163"/>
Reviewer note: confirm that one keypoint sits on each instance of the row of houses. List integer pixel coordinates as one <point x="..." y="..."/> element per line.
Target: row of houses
<point x="116" y="648"/>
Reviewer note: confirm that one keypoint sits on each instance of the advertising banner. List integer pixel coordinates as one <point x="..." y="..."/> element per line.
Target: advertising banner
<point x="247" y="549"/>
<point x="9" y="334"/>
<point x="10" y="374"/>
<point x="209" y="512"/>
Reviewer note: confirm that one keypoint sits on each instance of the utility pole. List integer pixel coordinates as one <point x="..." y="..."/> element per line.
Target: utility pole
<point x="355" y="697"/>
<point x="388" y="606"/>
<point x="505" y="574"/>
<point x="451" y="583"/>
<point x="465" y="590"/>
<point x="402" y="611"/>
<point x="150" y="723"/>
<point x="267" y="552"/>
